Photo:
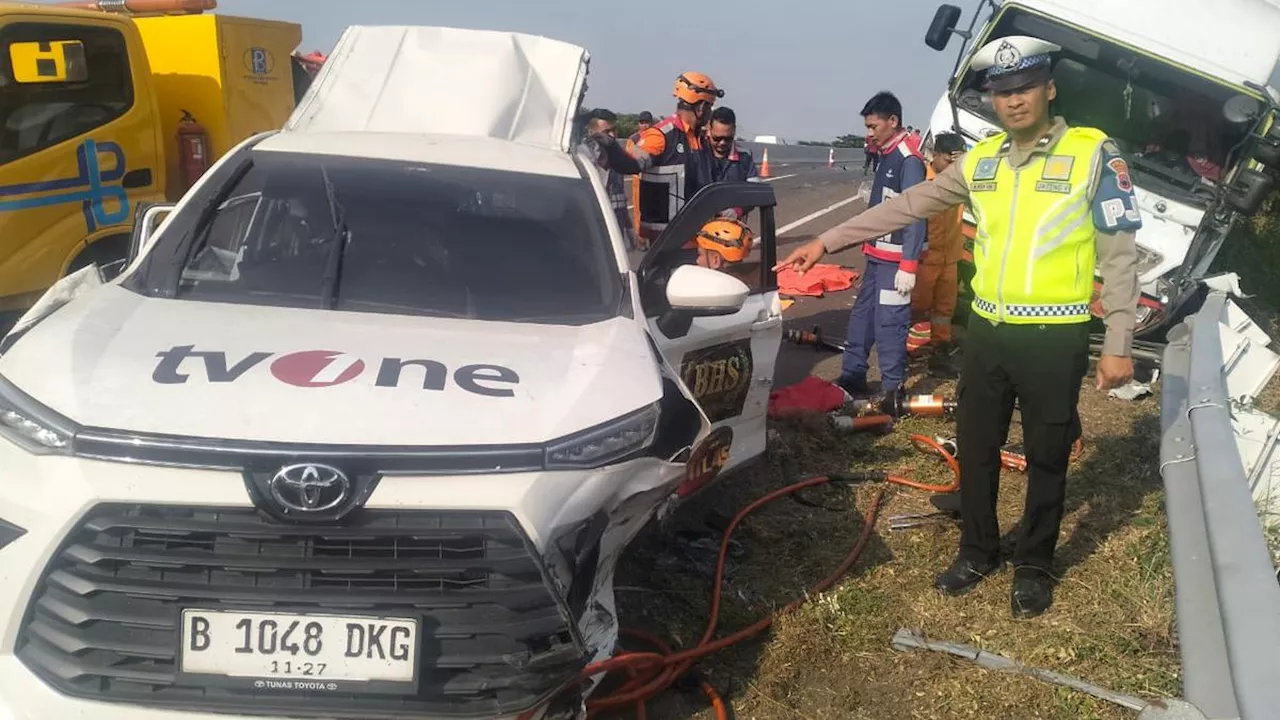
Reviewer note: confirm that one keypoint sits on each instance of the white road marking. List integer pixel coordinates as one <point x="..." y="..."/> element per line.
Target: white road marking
<point x="815" y="215"/>
<point x="777" y="178"/>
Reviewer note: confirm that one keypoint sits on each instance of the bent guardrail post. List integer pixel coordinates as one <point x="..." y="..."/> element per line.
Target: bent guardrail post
<point x="1227" y="598"/>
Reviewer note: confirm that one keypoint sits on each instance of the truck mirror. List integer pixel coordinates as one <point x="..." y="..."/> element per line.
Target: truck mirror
<point x="1267" y="150"/>
<point x="1241" y="109"/>
<point x="1249" y="190"/>
<point x="56" y="61"/>
<point x="943" y="25"/>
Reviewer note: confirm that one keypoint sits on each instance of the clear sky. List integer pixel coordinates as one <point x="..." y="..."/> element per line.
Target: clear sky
<point x="799" y="69"/>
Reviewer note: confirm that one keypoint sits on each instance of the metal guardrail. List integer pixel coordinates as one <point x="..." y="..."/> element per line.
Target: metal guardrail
<point x="1227" y="596"/>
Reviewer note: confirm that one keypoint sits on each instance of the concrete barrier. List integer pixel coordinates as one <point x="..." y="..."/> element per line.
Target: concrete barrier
<point x="802" y="154"/>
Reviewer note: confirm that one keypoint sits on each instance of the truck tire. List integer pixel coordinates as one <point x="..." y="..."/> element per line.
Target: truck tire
<point x="103" y="253"/>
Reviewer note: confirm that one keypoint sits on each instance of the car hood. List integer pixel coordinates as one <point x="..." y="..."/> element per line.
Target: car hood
<point x="114" y="359"/>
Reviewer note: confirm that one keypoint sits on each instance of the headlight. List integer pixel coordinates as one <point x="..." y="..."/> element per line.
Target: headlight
<point x="605" y="443"/>
<point x="30" y="426"/>
<point x="1147" y="260"/>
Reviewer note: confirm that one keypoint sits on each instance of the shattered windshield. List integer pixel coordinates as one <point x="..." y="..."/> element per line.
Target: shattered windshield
<point x="1168" y="122"/>
<point x="404" y="238"/>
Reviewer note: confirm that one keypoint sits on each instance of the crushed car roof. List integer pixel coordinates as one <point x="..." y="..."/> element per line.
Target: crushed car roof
<point x="507" y="86"/>
<point x="454" y="150"/>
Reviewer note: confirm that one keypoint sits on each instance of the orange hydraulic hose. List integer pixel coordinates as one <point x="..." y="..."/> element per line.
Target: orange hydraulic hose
<point x="923" y="442"/>
<point x="654" y="672"/>
<point x="650" y="673"/>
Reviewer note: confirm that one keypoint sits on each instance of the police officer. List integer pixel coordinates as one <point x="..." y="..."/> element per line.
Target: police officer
<point x="1048" y="199"/>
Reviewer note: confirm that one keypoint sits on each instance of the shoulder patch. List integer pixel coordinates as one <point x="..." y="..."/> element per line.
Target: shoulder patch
<point x="1115" y="207"/>
<point x="1121" y="170"/>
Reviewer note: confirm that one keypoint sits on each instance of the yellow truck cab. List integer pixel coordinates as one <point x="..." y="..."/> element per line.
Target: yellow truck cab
<point x="90" y="107"/>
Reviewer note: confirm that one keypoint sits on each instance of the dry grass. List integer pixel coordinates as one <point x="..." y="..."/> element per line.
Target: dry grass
<point x="1111" y="624"/>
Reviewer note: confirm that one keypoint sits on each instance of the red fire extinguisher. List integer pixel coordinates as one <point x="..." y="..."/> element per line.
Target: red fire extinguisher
<point x="193" y="150"/>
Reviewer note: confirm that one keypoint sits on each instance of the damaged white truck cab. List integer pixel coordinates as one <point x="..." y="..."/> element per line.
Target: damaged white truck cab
<point x="365" y="424"/>
<point x="1180" y="85"/>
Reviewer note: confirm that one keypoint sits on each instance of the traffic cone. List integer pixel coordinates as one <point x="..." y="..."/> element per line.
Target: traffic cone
<point x="764" y="166"/>
<point x="831" y="157"/>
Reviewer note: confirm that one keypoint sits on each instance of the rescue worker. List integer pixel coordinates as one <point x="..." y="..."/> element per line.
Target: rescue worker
<point x="1049" y="199"/>
<point x="933" y="301"/>
<point x="663" y="155"/>
<point x="724" y="244"/>
<point x="644" y="121"/>
<point x="881" y="313"/>
<point x="914" y="139"/>
<point x="604" y="122"/>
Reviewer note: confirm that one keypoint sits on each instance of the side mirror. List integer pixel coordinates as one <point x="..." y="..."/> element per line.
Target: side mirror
<point x="146" y="219"/>
<point x="943" y="26"/>
<point x="1249" y="190"/>
<point x="698" y="291"/>
<point x="1267" y="150"/>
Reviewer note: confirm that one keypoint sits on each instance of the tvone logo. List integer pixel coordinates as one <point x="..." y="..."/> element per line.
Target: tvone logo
<point x="326" y="368"/>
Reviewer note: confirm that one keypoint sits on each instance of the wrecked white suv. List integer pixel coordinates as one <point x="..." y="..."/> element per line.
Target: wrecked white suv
<point x="365" y="423"/>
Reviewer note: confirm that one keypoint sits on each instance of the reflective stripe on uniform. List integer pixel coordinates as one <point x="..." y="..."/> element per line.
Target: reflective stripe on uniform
<point x="1074" y="310"/>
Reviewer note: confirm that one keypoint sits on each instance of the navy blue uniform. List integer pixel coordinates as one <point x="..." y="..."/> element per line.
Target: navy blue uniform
<point x="881" y="315"/>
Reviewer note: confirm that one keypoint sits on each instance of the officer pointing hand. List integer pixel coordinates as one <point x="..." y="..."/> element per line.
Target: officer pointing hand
<point x="1053" y="199"/>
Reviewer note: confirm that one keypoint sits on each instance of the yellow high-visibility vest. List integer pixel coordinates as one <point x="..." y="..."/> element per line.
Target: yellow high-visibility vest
<point x="1035" y="246"/>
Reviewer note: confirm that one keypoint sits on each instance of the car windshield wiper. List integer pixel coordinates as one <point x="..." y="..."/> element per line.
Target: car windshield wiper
<point x="341" y="238"/>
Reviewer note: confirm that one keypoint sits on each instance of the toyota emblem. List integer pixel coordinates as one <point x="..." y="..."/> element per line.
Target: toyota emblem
<point x="309" y="488"/>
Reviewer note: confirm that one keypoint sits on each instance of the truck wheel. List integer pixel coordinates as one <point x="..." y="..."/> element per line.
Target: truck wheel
<point x="108" y="254"/>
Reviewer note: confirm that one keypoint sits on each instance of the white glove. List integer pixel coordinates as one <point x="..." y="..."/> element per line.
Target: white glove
<point x="904" y="282"/>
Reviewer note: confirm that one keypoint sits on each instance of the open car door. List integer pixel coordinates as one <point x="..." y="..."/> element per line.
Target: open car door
<point x="726" y="360"/>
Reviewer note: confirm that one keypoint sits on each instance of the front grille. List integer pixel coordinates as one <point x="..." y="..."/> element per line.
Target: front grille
<point x="103" y="624"/>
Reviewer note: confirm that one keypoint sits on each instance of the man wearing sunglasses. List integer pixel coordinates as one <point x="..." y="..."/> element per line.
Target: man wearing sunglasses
<point x="721" y="159"/>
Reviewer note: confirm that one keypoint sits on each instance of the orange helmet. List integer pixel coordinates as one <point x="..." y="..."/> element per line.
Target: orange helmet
<point x="730" y="238"/>
<point x="695" y="87"/>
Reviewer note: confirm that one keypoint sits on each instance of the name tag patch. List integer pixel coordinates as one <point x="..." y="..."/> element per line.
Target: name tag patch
<point x="986" y="169"/>
<point x="1058" y="167"/>
<point x="1054" y="187"/>
<point x="982" y="187"/>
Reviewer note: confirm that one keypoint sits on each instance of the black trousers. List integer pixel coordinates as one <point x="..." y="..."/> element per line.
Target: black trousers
<point x="1042" y="367"/>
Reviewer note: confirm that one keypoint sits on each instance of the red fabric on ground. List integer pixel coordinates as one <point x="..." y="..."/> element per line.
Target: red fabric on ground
<point x="820" y="278"/>
<point x="811" y="395"/>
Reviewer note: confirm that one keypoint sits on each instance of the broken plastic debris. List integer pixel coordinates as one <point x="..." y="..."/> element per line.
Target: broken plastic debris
<point x="1227" y="282"/>
<point x="1132" y="391"/>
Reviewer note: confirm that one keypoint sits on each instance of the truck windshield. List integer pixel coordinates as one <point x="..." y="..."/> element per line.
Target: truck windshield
<point x="1167" y="121"/>
<point x="393" y="237"/>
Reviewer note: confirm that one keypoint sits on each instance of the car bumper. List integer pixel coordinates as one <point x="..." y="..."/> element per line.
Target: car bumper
<point x="49" y="498"/>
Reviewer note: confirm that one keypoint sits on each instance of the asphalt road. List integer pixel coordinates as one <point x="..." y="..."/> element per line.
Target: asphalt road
<point x="811" y="200"/>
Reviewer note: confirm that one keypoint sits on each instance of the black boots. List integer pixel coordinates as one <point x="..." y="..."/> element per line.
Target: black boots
<point x="1032" y="592"/>
<point x="963" y="575"/>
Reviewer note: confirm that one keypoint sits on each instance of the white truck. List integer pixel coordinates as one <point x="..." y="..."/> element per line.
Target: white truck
<point x="1181" y="85"/>
<point x="365" y="423"/>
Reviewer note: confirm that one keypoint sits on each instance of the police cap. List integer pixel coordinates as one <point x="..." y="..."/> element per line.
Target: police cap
<point x="1015" y="62"/>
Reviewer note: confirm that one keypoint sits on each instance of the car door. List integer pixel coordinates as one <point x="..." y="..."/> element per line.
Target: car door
<point x="727" y="361"/>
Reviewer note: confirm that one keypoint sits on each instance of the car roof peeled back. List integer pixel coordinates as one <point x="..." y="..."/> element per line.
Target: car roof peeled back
<point x="476" y="98"/>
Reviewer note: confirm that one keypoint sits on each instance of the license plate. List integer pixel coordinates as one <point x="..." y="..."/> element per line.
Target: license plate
<point x="300" y="652"/>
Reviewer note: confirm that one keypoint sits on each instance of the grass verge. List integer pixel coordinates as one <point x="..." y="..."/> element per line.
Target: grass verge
<point x="1111" y="624"/>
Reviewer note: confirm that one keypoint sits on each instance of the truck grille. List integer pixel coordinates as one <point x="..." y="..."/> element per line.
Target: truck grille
<point x="103" y="623"/>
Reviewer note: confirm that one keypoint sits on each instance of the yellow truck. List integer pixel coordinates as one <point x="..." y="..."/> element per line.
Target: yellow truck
<point x="102" y="111"/>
